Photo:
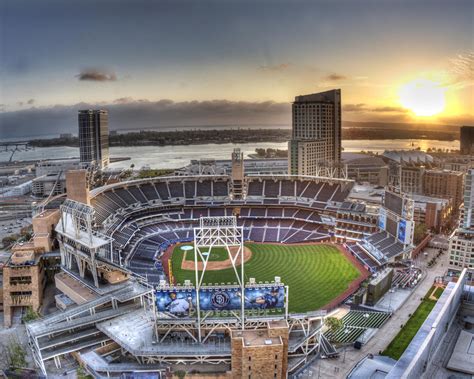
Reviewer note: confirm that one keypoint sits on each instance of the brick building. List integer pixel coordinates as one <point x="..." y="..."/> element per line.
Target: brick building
<point x="260" y="353"/>
<point x="24" y="274"/>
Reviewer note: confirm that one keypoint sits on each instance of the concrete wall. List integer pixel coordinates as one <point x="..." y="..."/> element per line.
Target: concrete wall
<point x="43" y="228"/>
<point x="77" y="186"/>
<point x="414" y="361"/>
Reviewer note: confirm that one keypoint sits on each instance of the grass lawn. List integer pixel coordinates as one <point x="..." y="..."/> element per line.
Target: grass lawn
<point x="406" y="334"/>
<point x="315" y="274"/>
<point x="438" y="292"/>
<point x="217" y="254"/>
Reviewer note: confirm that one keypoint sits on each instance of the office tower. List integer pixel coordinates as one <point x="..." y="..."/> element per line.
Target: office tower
<point x="461" y="244"/>
<point x="238" y="183"/>
<point x="467" y="140"/>
<point x="467" y="217"/>
<point x="411" y="178"/>
<point x="94" y="137"/>
<point x="444" y="183"/>
<point x="316" y="135"/>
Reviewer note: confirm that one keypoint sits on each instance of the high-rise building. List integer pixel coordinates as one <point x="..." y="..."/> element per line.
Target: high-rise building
<point x="316" y="134"/>
<point x="467" y="140"/>
<point x="94" y="137"/>
<point x="444" y="183"/>
<point x="467" y="217"/>
<point x="461" y="244"/>
<point x="411" y="178"/>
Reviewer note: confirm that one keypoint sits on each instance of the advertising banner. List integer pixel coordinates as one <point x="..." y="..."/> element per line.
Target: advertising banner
<point x="404" y="231"/>
<point x="183" y="301"/>
<point x="382" y="219"/>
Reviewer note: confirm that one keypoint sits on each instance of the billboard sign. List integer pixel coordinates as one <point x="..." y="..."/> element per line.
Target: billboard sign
<point x="404" y="231"/>
<point x="183" y="301"/>
<point x="402" y="228"/>
<point x="382" y="219"/>
<point x="394" y="203"/>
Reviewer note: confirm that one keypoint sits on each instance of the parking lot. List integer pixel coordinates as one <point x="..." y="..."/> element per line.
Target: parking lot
<point x="13" y="226"/>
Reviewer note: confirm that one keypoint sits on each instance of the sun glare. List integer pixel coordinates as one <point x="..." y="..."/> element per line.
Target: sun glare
<point x="422" y="97"/>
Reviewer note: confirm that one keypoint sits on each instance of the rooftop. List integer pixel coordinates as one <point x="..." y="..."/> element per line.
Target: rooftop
<point x="408" y="156"/>
<point x="80" y="289"/>
<point x="139" y="340"/>
<point x="256" y="338"/>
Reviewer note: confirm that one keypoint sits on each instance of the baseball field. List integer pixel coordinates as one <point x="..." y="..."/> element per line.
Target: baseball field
<point x="317" y="274"/>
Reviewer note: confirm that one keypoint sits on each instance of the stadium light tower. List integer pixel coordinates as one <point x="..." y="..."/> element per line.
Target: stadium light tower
<point x="219" y="232"/>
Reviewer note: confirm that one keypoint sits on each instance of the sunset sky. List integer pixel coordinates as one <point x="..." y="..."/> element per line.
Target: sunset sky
<point x="397" y="61"/>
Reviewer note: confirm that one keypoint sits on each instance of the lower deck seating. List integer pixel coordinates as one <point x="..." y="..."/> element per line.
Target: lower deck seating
<point x="143" y="241"/>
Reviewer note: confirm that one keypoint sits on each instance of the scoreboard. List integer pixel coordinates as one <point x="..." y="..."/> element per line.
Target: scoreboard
<point x="396" y="217"/>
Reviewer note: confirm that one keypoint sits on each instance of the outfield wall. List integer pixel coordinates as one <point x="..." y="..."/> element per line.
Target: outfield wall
<point x="412" y="364"/>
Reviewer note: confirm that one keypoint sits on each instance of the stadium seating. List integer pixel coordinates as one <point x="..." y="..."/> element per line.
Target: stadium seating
<point x="145" y="217"/>
<point x="362" y="256"/>
<point x="193" y="191"/>
<point x="355" y="323"/>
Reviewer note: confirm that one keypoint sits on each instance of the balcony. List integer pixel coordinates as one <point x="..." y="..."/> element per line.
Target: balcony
<point x="20" y="271"/>
<point x="21" y="300"/>
<point x="21" y="286"/>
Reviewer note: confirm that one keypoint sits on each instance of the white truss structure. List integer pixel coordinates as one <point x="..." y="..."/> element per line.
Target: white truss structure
<point x="225" y="233"/>
<point x="80" y="243"/>
<point x="331" y="170"/>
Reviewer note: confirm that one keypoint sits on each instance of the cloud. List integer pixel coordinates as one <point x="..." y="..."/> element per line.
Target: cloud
<point x="335" y="77"/>
<point x="96" y="75"/>
<point x="461" y="70"/>
<point x="279" y="67"/>
<point x="123" y="100"/>
<point x="128" y="113"/>
<point x="30" y="102"/>
<point x="389" y="109"/>
<point x="462" y="67"/>
<point x="2" y="107"/>
<point x="360" y="107"/>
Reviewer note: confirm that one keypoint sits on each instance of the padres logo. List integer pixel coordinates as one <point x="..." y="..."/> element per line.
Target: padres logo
<point x="220" y="299"/>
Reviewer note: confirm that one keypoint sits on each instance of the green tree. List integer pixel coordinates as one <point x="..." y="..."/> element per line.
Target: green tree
<point x="333" y="323"/>
<point x="419" y="233"/>
<point x="260" y="152"/>
<point x="10" y="240"/>
<point x="16" y="355"/>
<point x="180" y="374"/>
<point x="82" y="374"/>
<point x="30" y="315"/>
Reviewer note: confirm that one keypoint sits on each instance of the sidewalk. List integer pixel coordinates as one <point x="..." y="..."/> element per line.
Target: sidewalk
<point x="340" y="367"/>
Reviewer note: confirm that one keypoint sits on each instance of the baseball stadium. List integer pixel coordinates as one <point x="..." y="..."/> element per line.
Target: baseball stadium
<point x="197" y="273"/>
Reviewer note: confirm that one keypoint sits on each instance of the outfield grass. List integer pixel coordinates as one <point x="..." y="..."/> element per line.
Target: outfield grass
<point x="315" y="274"/>
<point x="217" y="254"/>
<point x="409" y="330"/>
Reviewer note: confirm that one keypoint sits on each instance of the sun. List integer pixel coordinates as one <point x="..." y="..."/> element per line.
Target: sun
<point x="423" y="97"/>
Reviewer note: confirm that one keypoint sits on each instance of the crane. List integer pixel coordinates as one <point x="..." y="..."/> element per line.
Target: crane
<point x="13" y="147"/>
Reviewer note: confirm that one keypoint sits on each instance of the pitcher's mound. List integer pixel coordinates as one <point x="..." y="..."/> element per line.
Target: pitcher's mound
<point x="215" y="265"/>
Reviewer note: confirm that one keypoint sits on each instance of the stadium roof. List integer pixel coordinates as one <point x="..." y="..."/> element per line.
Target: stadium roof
<point x="408" y="156"/>
<point x="362" y="159"/>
